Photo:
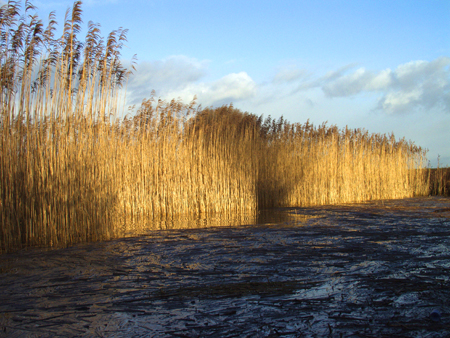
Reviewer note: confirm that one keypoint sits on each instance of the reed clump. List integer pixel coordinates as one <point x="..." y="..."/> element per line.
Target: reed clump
<point x="71" y="170"/>
<point x="439" y="180"/>
<point x="57" y="99"/>
<point x="306" y="165"/>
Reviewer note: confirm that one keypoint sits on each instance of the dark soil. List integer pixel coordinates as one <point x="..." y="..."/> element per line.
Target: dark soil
<point x="379" y="269"/>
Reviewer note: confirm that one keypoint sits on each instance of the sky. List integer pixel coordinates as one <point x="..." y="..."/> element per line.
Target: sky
<point x="383" y="66"/>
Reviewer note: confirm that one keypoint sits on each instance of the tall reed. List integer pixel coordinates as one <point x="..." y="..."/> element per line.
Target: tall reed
<point x="72" y="171"/>
<point x="57" y="96"/>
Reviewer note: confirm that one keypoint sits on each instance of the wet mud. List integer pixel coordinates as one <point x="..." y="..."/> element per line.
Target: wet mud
<point x="379" y="269"/>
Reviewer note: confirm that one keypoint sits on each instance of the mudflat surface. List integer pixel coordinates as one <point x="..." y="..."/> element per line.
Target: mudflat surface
<point x="379" y="269"/>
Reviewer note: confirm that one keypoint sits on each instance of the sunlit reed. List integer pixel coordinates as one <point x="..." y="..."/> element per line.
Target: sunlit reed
<point x="71" y="170"/>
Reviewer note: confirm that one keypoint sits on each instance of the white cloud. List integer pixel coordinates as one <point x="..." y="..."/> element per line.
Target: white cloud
<point x="163" y="76"/>
<point x="381" y="80"/>
<point x="233" y="86"/>
<point x="400" y="100"/>
<point x="323" y="80"/>
<point x="336" y="74"/>
<point x="418" y="85"/>
<point x="415" y="72"/>
<point x="350" y="84"/>
<point x="182" y="77"/>
<point x="230" y="88"/>
<point x="411" y="86"/>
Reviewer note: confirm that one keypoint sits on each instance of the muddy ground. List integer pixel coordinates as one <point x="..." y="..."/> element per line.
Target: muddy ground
<point x="378" y="269"/>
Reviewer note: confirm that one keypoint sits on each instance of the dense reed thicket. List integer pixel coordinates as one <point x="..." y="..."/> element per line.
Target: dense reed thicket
<point x="71" y="170"/>
<point x="439" y="179"/>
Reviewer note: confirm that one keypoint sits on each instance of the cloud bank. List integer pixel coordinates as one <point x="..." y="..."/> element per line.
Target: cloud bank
<point x="233" y="87"/>
<point x="183" y="77"/>
<point x="171" y="74"/>
<point x="416" y="85"/>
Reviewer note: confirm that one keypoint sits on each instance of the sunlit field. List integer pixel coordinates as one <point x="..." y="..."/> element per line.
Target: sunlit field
<point x="74" y="169"/>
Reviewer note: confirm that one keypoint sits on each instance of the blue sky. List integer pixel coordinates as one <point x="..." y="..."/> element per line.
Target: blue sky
<point x="379" y="65"/>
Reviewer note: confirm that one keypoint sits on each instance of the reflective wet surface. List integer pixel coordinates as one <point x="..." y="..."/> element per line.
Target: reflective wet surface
<point x="379" y="269"/>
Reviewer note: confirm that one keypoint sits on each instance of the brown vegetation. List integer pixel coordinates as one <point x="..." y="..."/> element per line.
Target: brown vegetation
<point x="71" y="170"/>
<point x="439" y="179"/>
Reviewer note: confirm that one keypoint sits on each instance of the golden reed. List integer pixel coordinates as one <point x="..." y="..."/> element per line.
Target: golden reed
<point x="71" y="170"/>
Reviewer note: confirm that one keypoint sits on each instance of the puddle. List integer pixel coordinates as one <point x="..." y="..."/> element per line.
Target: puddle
<point x="361" y="270"/>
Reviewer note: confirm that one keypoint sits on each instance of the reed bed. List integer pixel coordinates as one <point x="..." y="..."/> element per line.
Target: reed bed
<point x="72" y="170"/>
